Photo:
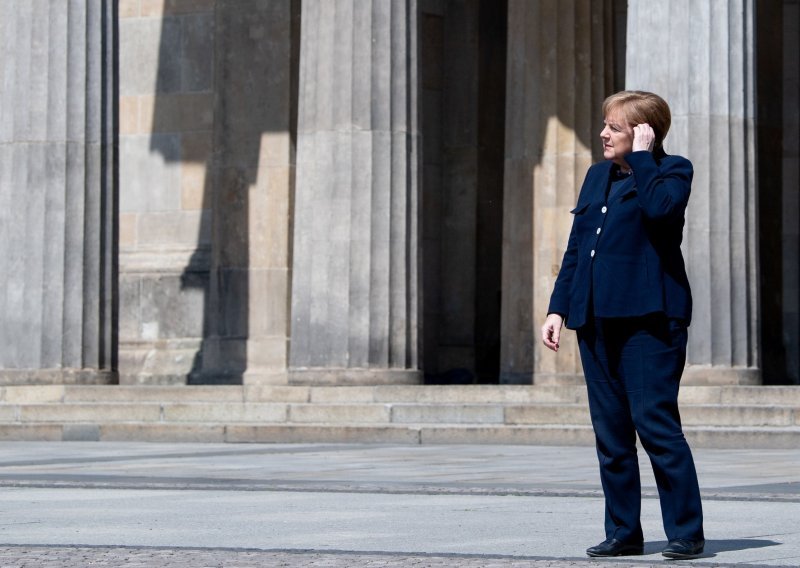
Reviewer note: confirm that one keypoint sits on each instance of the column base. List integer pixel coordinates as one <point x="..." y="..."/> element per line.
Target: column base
<point x="57" y="377"/>
<point x="257" y="360"/>
<point x="153" y="379"/>
<point x="249" y="377"/>
<point x="355" y="377"/>
<point x="266" y="377"/>
<point x="159" y="362"/>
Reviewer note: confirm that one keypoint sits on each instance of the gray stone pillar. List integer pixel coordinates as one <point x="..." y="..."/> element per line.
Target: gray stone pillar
<point x="560" y="68"/>
<point x="355" y="291"/>
<point x="57" y="191"/>
<point x="699" y="57"/>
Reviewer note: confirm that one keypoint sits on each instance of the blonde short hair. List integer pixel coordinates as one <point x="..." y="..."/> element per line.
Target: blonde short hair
<point x="638" y="107"/>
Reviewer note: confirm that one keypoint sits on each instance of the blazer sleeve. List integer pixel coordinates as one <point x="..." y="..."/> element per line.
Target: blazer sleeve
<point x="559" y="299"/>
<point x="663" y="189"/>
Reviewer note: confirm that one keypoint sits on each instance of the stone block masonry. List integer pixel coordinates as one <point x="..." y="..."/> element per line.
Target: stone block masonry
<point x="205" y="117"/>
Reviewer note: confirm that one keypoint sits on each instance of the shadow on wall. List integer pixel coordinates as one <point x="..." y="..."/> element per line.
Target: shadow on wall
<point x="226" y="80"/>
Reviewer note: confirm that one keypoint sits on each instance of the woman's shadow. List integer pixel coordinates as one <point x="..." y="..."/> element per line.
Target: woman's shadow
<point x="715" y="546"/>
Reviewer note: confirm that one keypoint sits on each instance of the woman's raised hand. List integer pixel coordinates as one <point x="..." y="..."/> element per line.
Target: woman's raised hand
<point x="643" y="137"/>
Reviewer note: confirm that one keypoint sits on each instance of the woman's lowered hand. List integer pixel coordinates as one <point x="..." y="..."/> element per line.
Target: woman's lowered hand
<point x="551" y="331"/>
<point x="643" y="138"/>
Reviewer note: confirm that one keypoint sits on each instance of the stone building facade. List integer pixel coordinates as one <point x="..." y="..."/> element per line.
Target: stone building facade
<point x="361" y="192"/>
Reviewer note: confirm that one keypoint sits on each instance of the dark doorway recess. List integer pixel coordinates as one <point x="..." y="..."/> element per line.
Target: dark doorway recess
<point x="777" y="132"/>
<point x="463" y="70"/>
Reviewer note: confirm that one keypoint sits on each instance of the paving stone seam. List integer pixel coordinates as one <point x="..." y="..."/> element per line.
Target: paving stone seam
<point x="236" y="485"/>
<point x="233" y="451"/>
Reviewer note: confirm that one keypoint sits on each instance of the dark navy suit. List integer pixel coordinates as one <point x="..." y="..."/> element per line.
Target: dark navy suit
<point x="623" y="287"/>
<point x="633" y="266"/>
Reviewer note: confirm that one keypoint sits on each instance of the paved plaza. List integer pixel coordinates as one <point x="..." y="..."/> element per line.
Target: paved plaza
<point x="198" y="505"/>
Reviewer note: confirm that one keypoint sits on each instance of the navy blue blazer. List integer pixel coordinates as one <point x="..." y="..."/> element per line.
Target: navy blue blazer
<point x="623" y="258"/>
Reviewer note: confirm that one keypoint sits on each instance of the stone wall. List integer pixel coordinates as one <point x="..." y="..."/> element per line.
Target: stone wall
<point x="206" y="175"/>
<point x="408" y="156"/>
<point x="166" y="125"/>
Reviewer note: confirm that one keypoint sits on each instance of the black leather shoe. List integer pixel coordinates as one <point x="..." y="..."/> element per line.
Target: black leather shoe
<point x="614" y="547"/>
<point x="682" y="548"/>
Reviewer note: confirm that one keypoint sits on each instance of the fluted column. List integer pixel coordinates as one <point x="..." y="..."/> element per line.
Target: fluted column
<point x="355" y="279"/>
<point x="560" y="68"/>
<point x="699" y="57"/>
<point x="57" y="191"/>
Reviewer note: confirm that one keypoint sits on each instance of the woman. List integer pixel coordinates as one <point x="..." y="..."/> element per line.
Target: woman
<point x="623" y="287"/>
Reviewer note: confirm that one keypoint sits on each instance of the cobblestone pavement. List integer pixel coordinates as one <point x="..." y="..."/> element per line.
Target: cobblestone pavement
<point x="62" y="557"/>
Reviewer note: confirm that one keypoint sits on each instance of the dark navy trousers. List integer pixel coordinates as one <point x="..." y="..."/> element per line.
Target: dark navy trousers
<point x="633" y="368"/>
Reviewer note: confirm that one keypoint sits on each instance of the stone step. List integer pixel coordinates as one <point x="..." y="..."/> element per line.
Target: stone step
<point x="68" y="412"/>
<point x="699" y="437"/>
<point x="740" y="415"/>
<point x="268" y="393"/>
<point x="371" y="413"/>
<point x="148" y="393"/>
<point x="438" y="394"/>
<point x="724" y="416"/>
<point x="741" y="395"/>
<point x="225" y="412"/>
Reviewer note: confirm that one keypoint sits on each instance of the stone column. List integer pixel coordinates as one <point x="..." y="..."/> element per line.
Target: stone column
<point x="560" y="68"/>
<point x="57" y="192"/>
<point x="355" y="291"/>
<point x="699" y="57"/>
